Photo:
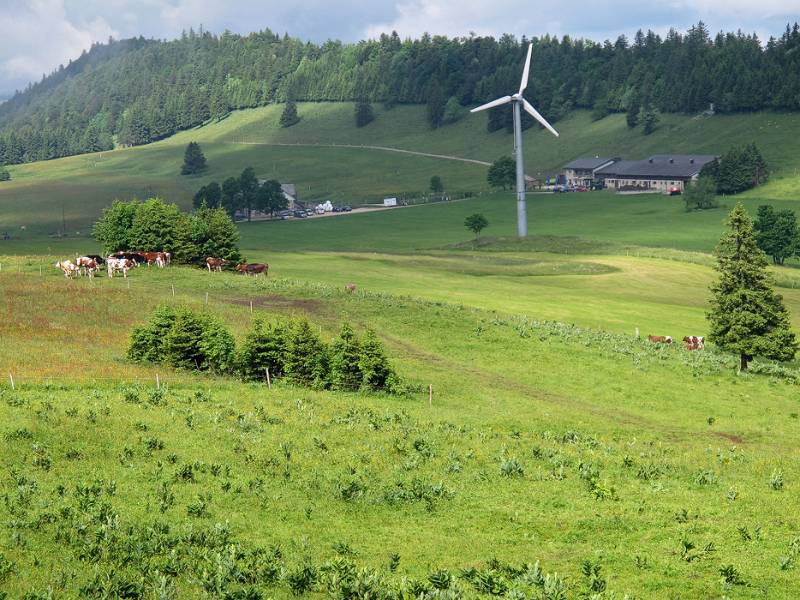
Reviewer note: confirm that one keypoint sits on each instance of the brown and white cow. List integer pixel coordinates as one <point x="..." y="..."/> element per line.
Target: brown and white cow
<point x="159" y="258"/>
<point x="215" y="264"/>
<point x="351" y="288"/>
<point x="694" y="342"/>
<point x="69" y="268"/>
<point x="87" y="265"/>
<point x="660" y="339"/>
<point x="119" y="264"/>
<point x="253" y="269"/>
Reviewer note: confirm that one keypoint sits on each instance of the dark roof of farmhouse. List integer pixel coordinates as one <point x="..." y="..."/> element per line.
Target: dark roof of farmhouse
<point x="659" y="165"/>
<point x="580" y="164"/>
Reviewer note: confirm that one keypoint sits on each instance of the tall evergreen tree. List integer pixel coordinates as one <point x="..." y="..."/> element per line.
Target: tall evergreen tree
<point x="4" y="174"/>
<point x="289" y="115"/>
<point x="231" y="196"/>
<point x="632" y="114"/>
<point x="345" y="351"/>
<point x="747" y="317"/>
<point x="363" y="113"/>
<point x="649" y="120"/>
<point x="436" y="103"/>
<point x="193" y="160"/>
<point x="248" y="190"/>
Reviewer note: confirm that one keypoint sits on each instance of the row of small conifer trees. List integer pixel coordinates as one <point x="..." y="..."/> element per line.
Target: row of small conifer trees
<point x="288" y="349"/>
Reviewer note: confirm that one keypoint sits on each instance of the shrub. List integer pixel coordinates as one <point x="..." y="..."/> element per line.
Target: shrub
<point x="306" y="360"/>
<point x="182" y="338"/>
<point x="345" y="360"/>
<point x="264" y="348"/>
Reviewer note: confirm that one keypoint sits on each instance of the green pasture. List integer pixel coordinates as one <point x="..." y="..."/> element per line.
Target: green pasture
<point x="542" y="443"/>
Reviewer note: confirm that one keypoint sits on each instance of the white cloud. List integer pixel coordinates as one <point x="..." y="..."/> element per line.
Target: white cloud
<point x="39" y="36"/>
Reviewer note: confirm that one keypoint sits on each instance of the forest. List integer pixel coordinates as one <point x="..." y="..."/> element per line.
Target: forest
<point x="135" y="91"/>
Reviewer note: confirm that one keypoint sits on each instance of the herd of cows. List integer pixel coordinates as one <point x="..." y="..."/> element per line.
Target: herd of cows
<point x="122" y="262"/>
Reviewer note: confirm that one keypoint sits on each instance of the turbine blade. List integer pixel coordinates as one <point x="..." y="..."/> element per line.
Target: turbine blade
<point x="492" y="104"/>
<point x="524" y="82"/>
<point x="535" y="114"/>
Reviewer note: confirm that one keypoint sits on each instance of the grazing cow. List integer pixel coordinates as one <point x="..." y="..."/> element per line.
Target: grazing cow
<point x="69" y="268"/>
<point x="253" y="269"/>
<point x="215" y="264"/>
<point x="351" y="288"/>
<point x="694" y="342"/>
<point x="97" y="258"/>
<point x="119" y="264"/>
<point x="660" y="339"/>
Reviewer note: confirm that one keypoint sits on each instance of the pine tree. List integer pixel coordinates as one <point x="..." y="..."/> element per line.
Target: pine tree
<point x="436" y="186"/>
<point x="377" y="372"/>
<point x="747" y="317"/>
<point x="248" y="190"/>
<point x="264" y="348"/>
<point x="231" y="195"/>
<point x="345" y="371"/>
<point x="632" y="116"/>
<point x="4" y="174"/>
<point x="436" y="104"/>
<point x="193" y="160"/>
<point x="649" y="121"/>
<point x="306" y="361"/>
<point x="364" y="113"/>
<point x="289" y="115"/>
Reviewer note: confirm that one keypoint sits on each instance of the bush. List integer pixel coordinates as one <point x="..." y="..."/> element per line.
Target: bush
<point x="306" y="361"/>
<point x="4" y="174"/>
<point x="182" y="338"/>
<point x="264" y="348"/>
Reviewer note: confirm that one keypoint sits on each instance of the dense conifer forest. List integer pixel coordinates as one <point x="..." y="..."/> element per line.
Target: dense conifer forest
<point x="136" y="91"/>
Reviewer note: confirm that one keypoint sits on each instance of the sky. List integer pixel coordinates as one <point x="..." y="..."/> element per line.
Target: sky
<point x="36" y="36"/>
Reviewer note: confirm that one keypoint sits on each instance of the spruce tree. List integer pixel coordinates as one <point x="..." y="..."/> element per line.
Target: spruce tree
<point x="306" y="361"/>
<point x="364" y="113"/>
<point x="289" y="115"/>
<point x="193" y="160"/>
<point x="747" y="317"/>
<point x="248" y="189"/>
<point x="632" y="116"/>
<point x="376" y="371"/>
<point x="649" y="121"/>
<point x="345" y="371"/>
<point x="4" y="174"/>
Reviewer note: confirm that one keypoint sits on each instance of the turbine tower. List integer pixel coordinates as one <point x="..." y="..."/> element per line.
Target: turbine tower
<point x="517" y="100"/>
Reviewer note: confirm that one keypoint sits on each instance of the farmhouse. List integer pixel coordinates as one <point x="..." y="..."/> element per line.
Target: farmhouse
<point x="581" y="171"/>
<point x="659" y="173"/>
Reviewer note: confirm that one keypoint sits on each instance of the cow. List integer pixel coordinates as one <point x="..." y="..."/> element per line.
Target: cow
<point x="159" y="258"/>
<point x="97" y="258"/>
<point x="253" y="269"/>
<point x="87" y="265"/>
<point x="136" y="257"/>
<point x="119" y="264"/>
<point x="215" y="264"/>
<point x="350" y="288"/>
<point x="660" y="339"/>
<point x="694" y="342"/>
<point x="69" y="268"/>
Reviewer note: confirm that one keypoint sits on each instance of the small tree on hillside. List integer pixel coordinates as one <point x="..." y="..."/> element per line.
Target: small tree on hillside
<point x="649" y="121"/>
<point x="4" y="174"/>
<point x="306" y="361"/>
<point x="113" y="229"/>
<point x="345" y="352"/>
<point x="452" y="110"/>
<point x="476" y="223"/>
<point x="747" y="317"/>
<point x="193" y="160"/>
<point x="289" y="115"/>
<point x="364" y="113"/>
<point x="264" y="349"/>
<point x="214" y="234"/>
<point x="776" y="233"/>
<point x="502" y="173"/>
<point x="437" y="187"/>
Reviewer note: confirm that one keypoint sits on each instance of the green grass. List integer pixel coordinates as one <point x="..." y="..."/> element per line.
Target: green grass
<point x="626" y="449"/>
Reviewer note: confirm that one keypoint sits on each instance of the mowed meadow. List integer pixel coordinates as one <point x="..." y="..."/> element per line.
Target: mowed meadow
<point x="553" y="456"/>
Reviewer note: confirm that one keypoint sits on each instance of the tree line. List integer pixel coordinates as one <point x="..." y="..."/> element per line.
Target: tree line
<point x="243" y="193"/>
<point x="136" y="91"/>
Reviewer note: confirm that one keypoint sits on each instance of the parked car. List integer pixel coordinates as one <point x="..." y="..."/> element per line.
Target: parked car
<point x="560" y="189"/>
<point x="346" y="208"/>
<point x="300" y="214"/>
<point x="674" y="191"/>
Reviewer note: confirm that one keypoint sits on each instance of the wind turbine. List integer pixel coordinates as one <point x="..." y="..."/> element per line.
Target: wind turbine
<point x="517" y="100"/>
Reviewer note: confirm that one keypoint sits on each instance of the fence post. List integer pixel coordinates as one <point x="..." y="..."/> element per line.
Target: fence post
<point x="11" y="377"/>
<point x="206" y="298"/>
<point x="173" y="290"/>
<point x="430" y="395"/>
<point x="269" y="381"/>
<point x="158" y="382"/>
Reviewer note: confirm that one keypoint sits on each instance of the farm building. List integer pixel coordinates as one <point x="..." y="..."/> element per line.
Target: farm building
<point x="581" y="171"/>
<point x="659" y="173"/>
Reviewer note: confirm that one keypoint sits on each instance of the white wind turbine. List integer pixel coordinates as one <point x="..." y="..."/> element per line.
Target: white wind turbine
<point x="517" y="100"/>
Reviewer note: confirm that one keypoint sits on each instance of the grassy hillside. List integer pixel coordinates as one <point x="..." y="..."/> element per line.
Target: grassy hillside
<point x="542" y="443"/>
<point x="82" y="185"/>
